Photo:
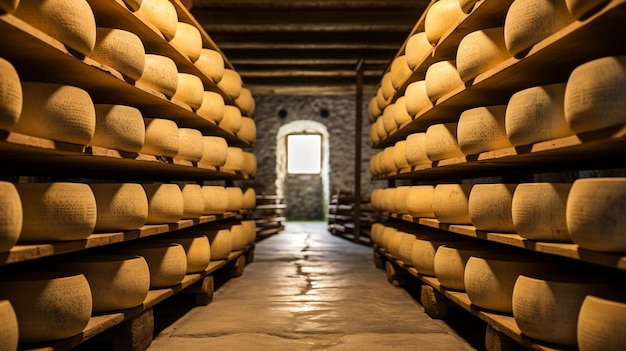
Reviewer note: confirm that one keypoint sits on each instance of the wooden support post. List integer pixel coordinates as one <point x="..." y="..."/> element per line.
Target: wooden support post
<point x="357" y="150"/>
<point x="379" y="262"/>
<point x="397" y="277"/>
<point x="495" y="340"/>
<point x="435" y="304"/>
<point x="134" y="334"/>
<point x="236" y="267"/>
<point x="250" y="255"/>
<point x="202" y="291"/>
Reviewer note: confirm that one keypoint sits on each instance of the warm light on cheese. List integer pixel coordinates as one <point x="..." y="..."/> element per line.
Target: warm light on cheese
<point x="538" y="211"/>
<point x="387" y="86"/>
<point x="231" y="121"/>
<point x="211" y="64"/>
<point x="231" y="83"/>
<point x="399" y="155"/>
<point x="442" y="17"/>
<point x="215" y="199"/>
<point x="120" y="206"/>
<point x="249" y="199"/>
<point x="8" y="6"/>
<point x="221" y="243"/>
<point x="441" y="79"/>
<point x="166" y="260"/>
<point x="480" y="51"/>
<point x="417" y="47"/>
<point x="601" y="324"/>
<point x="389" y="119"/>
<point x="121" y="50"/>
<point x="193" y="200"/>
<point x="380" y="99"/>
<point x="191" y="146"/>
<point x="441" y="142"/>
<point x="10" y="95"/>
<point x="401" y="114"/>
<point x="161" y="14"/>
<point x="246" y="102"/>
<point x="417" y="98"/>
<point x="450" y="261"/>
<point x="249" y="231"/>
<point x="420" y="201"/>
<point x="239" y="237"/>
<point x="215" y="151"/>
<point x="380" y="129"/>
<point x="423" y="255"/>
<point x="161" y="74"/>
<point x="482" y="129"/>
<point x="235" y="199"/>
<point x="162" y="138"/>
<point x="247" y="131"/>
<point x="212" y="107"/>
<point x="416" y="149"/>
<point x="187" y="40"/>
<point x="190" y="90"/>
<point x="119" y="127"/>
<point x="10" y="216"/>
<point x="402" y="193"/>
<point x="490" y="207"/>
<point x="400" y="71"/>
<point x="249" y="164"/>
<point x="234" y="159"/>
<point x="197" y="249"/>
<point x="165" y="203"/>
<point x="9" y="335"/>
<point x="450" y="203"/>
<point x="467" y="5"/>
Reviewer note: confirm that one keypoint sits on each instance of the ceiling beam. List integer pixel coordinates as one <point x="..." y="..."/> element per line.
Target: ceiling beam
<point x="311" y="4"/>
<point x="305" y="73"/>
<point x="305" y="46"/>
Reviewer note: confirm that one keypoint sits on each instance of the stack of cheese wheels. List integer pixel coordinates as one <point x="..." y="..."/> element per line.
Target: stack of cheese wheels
<point x="160" y="14"/>
<point x="119" y="127"/>
<point x="215" y="199"/>
<point x="401" y="115"/>
<point x="387" y="87"/>
<point x="441" y="142"/>
<point x="249" y="199"/>
<point x="601" y="324"/>
<point x="467" y="5"/>
<point x="389" y="119"/>
<point x="450" y="261"/>
<point x="482" y="129"/>
<point x="121" y="50"/>
<point x="387" y="160"/>
<point x="247" y="131"/>
<point x="594" y="214"/>
<point x="211" y="64"/>
<point x="238" y="236"/>
<point x="402" y="194"/>
<point x="231" y="121"/>
<point x="234" y="159"/>
<point x="399" y="155"/>
<point x="249" y="230"/>
<point x="9" y="335"/>
<point x="165" y="203"/>
<point x="10" y="95"/>
<point x="416" y="149"/>
<point x="161" y="74"/>
<point x="221" y="243"/>
<point x="189" y="90"/>
<point x="530" y="21"/>
<point x="193" y="200"/>
<point x="197" y="250"/>
<point x="377" y="229"/>
<point x="394" y="241"/>
<point x="42" y="203"/>
<point x="405" y="248"/>
<point x="71" y="23"/>
<point x="380" y="129"/>
<point x="538" y="211"/>
<point x="8" y="6"/>
<point x="417" y="47"/>
<point x="373" y="111"/>
<point x="442" y="17"/>
<point x="117" y="282"/>
<point x="592" y="94"/>
<point x="386" y="234"/>
<point x="120" y="206"/>
<point x="191" y="147"/>
<point x="417" y="98"/>
<point x="212" y="107"/>
<point x="48" y="306"/>
<point x="187" y="40"/>
<point x="10" y="216"/>
<point x="400" y="71"/>
<point x="419" y="201"/>
<point x="235" y="198"/>
<point x="441" y="79"/>
<point x="583" y="8"/>
<point x="536" y="114"/>
<point x="215" y="151"/>
<point x="389" y="199"/>
<point x="538" y="304"/>
<point x="249" y="164"/>
<point x="167" y="261"/>
<point x="57" y="112"/>
<point x="423" y="254"/>
<point x="480" y="51"/>
<point x="490" y="207"/>
<point x="230" y="83"/>
<point x="162" y="138"/>
<point x="245" y="101"/>
<point x="380" y="99"/>
<point x="451" y="202"/>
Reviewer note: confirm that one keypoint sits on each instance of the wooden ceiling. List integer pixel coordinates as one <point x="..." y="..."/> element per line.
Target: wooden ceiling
<point x="308" y="46"/>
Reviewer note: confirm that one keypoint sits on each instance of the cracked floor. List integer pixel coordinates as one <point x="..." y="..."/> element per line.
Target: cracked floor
<point x="309" y="290"/>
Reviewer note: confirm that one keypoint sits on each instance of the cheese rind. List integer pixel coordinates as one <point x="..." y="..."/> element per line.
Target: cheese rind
<point x="400" y="71"/>
<point x="121" y="50"/>
<point x="441" y="142"/>
<point x="417" y="98"/>
<point x="249" y="164"/>
<point x="387" y="87"/>
<point x="441" y="17"/>
<point x="166" y="260"/>
<point x="389" y="119"/>
<point x="399" y="155"/>
<point x="161" y="74"/>
<point x="197" y="250"/>
<point x="441" y="79"/>
<point x="373" y="111"/>
<point x="215" y="151"/>
<point x="9" y="337"/>
<point x="162" y="138"/>
<point x="239" y="237"/>
<point x="165" y="203"/>
<point x="247" y="131"/>
<point x="583" y="8"/>
<point x="490" y="207"/>
<point x="8" y="6"/>
<point x="119" y="127"/>
<point x="187" y="40"/>
<point x="231" y="121"/>
<point x="450" y="261"/>
<point x="215" y="199"/>
<point x="601" y="324"/>
<point x="538" y="211"/>
<point x="401" y="115"/>
<point x="480" y="51"/>
<point x="10" y="95"/>
<point x="417" y="47"/>
<point x="10" y="216"/>
<point x="420" y="201"/>
<point x="234" y="159"/>
<point x="120" y="206"/>
<point x="423" y="255"/>
<point x="246" y="102"/>
<point x="161" y="14"/>
<point x="249" y="230"/>
<point x="193" y="200"/>
<point x="221" y="243"/>
<point x="249" y="199"/>
<point x="211" y="64"/>
<point x="482" y="129"/>
<point x="450" y="203"/>
<point x="189" y="90"/>
<point x="235" y="199"/>
<point x="191" y="146"/>
<point x="416" y="149"/>
<point x="402" y="193"/>
<point x="212" y="107"/>
<point x="230" y="83"/>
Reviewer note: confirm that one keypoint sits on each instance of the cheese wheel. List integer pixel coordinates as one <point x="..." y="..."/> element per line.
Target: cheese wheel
<point x="162" y="138"/>
<point x="395" y="241"/>
<point x="442" y="17"/>
<point x="212" y="108"/>
<point x="10" y="216"/>
<point x="232" y="119"/>
<point x="536" y="114"/>
<point x="402" y="194"/>
<point x="451" y="203"/>
<point x="161" y="74"/>
<point x="249" y="199"/>
<point x="401" y="115"/>
<point x="187" y="40"/>
<point x="380" y="99"/>
<point x="387" y="233"/>
<point x="249" y="164"/>
<point x="120" y="206"/>
<point x="165" y="203"/>
<point x="245" y="101"/>
<point x="530" y="21"/>
<point x="389" y="199"/>
<point x="417" y="48"/>
<point x="247" y="131"/>
<point x="538" y="211"/>
<point x="450" y="261"/>
<point x="121" y="50"/>
<point x="230" y="83"/>
<point x="387" y="87"/>
<point x="235" y="199"/>
<point x="420" y="201"/>
<point x="423" y="255"/>
<point x="221" y="243"/>
<point x="380" y="129"/>
<point x="117" y="282"/>
<point x="583" y="8"/>
<point x="399" y="155"/>
<point x="193" y="201"/>
<point x="490" y="207"/>
<point x="8" y="6"/>
<point x="240" y="240"/>
<point x="48" y="306"/>
<point x="441" y="142"/>
<point x="132" y="5"/>
<point x="389" y="119"/>
<point x="387" y="160"/>
<point x="119" y="127"/>
<point x="10" y="95"/>
<point x="211" y="64"/>
<point x="601" y="324"/>
<point x="548" y="309"/>
<point x="467" y="5"/>
<point x="190" y="90"/>
<point x="57" y="112"/>
<point x="373" y="111"/>
<point x="197" y="250"/>
<point x="376" y="198"/>
<point x="215" y="151"/>
<point x="191" y="146"/>
<point x="482" y="129"/>
<point x="593" y="94"/>
<point x="215" y="199"/>
<point x="400" y="71"/>
<point x="377" y="229"/>
<point x="416" y="149"/>
<point x="234" y="159"/>
<point x="417" y="98"/>
<point x="70" y="22"/>
<point x="373" y="165"/>
<point x="8" y="327"/>
<point x="405" y="248"/>
<point x="249" y="230"/>
<point x="166" y="260"/>
<point x="441" y="79"/>
<point x="56" y="211"/>
<point x="480" y="51"/>
<point x="160" y="14"/>
<point x="594" y="214"/>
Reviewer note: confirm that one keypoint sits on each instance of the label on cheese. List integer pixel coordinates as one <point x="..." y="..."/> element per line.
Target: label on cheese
<point x="480" y="51"/>
<point x="10" y="95"/>
<point x="211" y="64"/>
<point x="191" y="146"/>
<point x="490" y="207"/>
<point x="450" y="203"/>
<point x="441" y="142"/>
<point x="119" y="127"/>
<point x="120" y="50"/>
<point x="482" y="129"/>
<point x="538" y="211"/>
<point x="165" y="203"/>
<point x="187" y="40"/>
<point x="162" y="138"/>
<point x="10" y="216"/>
<point x="120" y="206"/>
<point x="161" y="74"/>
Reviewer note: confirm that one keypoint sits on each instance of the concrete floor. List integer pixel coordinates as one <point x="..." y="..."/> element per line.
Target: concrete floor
<point x="309" y="290"/>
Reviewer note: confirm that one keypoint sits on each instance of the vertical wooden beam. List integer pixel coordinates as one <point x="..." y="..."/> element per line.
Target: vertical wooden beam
<point x="357" y="150"/>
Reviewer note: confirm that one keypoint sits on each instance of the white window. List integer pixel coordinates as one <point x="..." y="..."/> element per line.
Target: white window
<point x="304" y="153"/>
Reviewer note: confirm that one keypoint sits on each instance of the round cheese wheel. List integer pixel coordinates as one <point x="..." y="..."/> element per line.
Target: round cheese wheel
<point x="247" y="131"/>
<point x="57" y="112"/>
<point x="249" y="230"/>
<point x="420" y="201"/>
<point x="215" y="151"/>
<point x="416" y="149"/>
<point x="482" y="129"/>
<point x="583" y="8"/>
<point x="119" y="127"/>
<point x="405" y="248"/>
<point x="389" y="119"/>
<point x="187" y="40"/>
<point x="230" y="83"/>
<point x="120" y="206"/>
<point x="387" y="87"/>
<point x="165" y="203"/>
<point x="377" y="229"/>
<point x="467" y="5"/>
<point x="423" y="255"/>
<point x="417" y="98"/>
<point x="387" y="234"/>
<point x="249" y="199"/>
<point x="249" y="164"/>
<point x="121" y="50"/>
<point x="211" y="64"/>
<point x="8" y="6"/>
<point x="212" y="108"/>
<point x="387" y="160"/>
<point x="380" y="99"/>
<point x="374" y="139"/>
<point x="215" y="199"/>
<point x="442" y="17"/>
<point x="245" y="101"/>
<point x="161" y="74"/>
<point x="373" y="165"/>
<point x="480" y="51"/>
<point x="234" y="159"/>
<point x="70" y="22"/>
<point x="9" y="336"/>
<point x="193" y="200"/>
<point x="451" y="202"/>
<point x="593" y="94"/>
<point x="167" y="261"/>
<point x="442" y="78"/>
<point x="538" y="211"/>
<point x="197" y="250"/>
<point x="221" y="243"/>
<point x="441" y="142"/>
<point x="191" y="146"/>
<point x="231" y="121"/>
<point x="490" y="207"/>
<point x="380" y="129"/>
<point x="376" y="198"/>
<point x="530" y="21"/>
<point x="601" y="324"/>
<point x="450" y="261"/>
<point x="10" y="216"/>
<point x="389" y="199"/>
<point x="160" y="14"/>
<point x="401" y="115"/>
<point x="117" y="282"/>
<point x="10" y="95"/>
<point x="48" y="306"/>
<point x="373" y="111"/>
<point x="399" y="155"/>
<point x="190" y="90"/>
<point x="56" y="211"/>
<point x="239" y="237"/>
<point x="417" y="47"/>
<point x="594" y="214"/>
<point x="402" y="194"/>
<point x="162" y="138"/>
<point x="394" y="241"/>
<point x="400" y="71"/>
<point x="235" y="199"/>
